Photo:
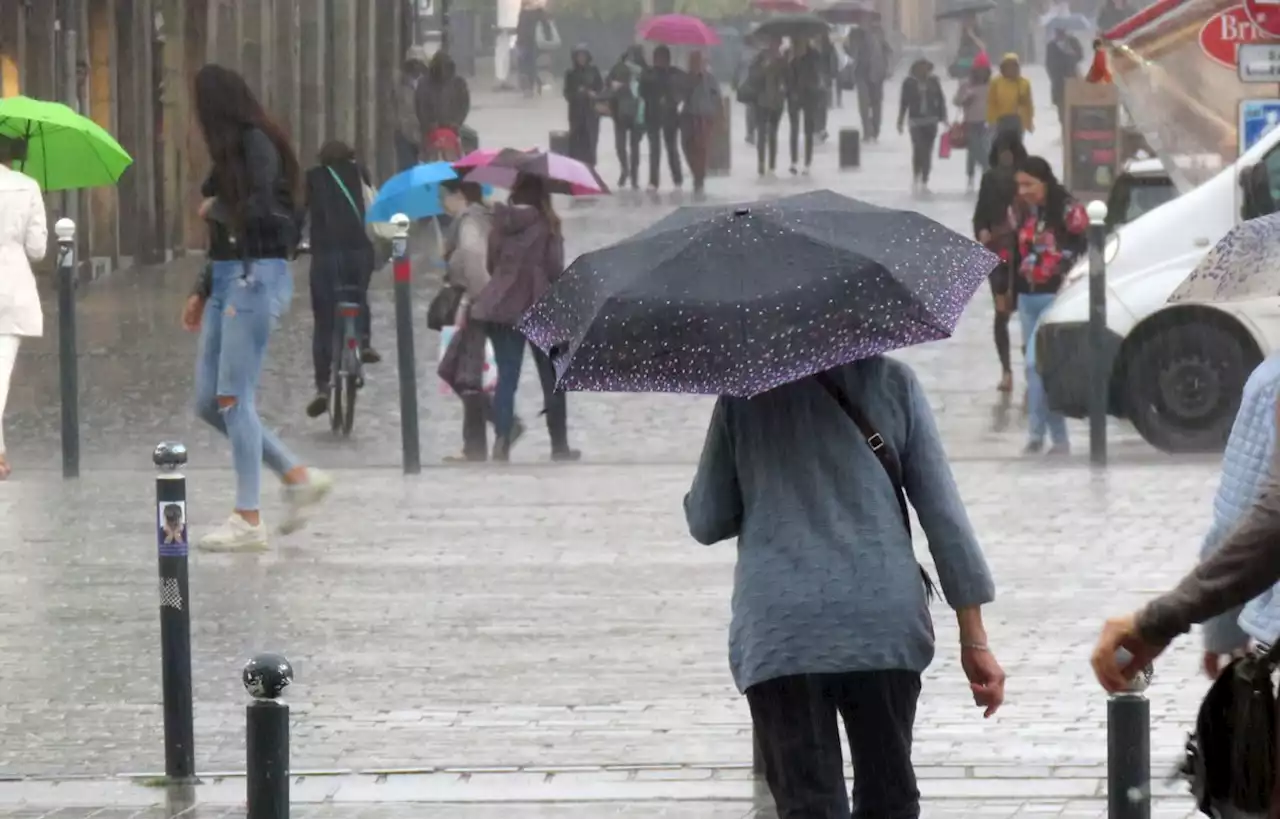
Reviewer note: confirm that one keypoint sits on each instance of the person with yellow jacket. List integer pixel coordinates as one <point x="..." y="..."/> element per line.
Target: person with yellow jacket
<point x="1009" y="104"/>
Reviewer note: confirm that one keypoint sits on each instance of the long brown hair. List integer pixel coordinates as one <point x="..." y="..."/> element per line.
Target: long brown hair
<point x="532" y="191"/>
<point x="225" y="107"/>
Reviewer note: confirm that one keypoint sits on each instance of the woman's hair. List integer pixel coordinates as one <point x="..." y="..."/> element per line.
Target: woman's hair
<point x="226" y="108"/>
<point x="1007" y="141"/>
<point x="471" y="191"/>
<point x="13" y="149"/>
<point x="335" y="152"/>
<point x="532" y="191"/>
<point x="1056" y="196"/>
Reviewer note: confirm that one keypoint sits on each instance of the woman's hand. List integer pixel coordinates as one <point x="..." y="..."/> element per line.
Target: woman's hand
<point x="986" y="677"/>
<point x="206" y="206"/>
<point x="193" y="314"/>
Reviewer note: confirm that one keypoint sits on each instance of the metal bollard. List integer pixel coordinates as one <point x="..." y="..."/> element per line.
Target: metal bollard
<point x="266" y="677"/>
<point x="406" y="360"/>
<point x="1129" y="750"/>
<point x="175" y="613"/>
<point x="68" y="374"/>
<point x="1099" y="361"/>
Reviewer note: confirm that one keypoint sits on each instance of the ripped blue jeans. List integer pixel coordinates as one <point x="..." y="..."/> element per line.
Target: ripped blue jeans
<point x="245" y="305"/>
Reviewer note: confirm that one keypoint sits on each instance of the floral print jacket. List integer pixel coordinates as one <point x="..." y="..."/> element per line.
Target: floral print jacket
<point x="1047" y="250"/>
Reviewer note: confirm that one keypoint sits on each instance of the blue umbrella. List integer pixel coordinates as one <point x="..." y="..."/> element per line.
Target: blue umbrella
<point x="415" y="193"/>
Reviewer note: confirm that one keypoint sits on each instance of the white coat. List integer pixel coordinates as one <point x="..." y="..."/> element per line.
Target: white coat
<point x="24" y="238"/>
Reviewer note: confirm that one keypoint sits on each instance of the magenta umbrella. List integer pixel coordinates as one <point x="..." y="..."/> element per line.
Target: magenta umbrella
<point x="562" y="174"/>
<point x="678" y="30"/>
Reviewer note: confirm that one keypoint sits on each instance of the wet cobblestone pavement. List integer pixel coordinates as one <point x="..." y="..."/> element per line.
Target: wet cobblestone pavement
<point x="533" y="616"/>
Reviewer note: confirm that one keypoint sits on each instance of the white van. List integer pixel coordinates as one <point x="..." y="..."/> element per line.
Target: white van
<point x="1177" y="371"/>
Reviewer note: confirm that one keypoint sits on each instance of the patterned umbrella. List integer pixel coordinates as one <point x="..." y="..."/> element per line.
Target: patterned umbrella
<point x="563" y="174"/>
<point x="739" y="300"/>
<point x="677" y="29"/>
<point x="1245" y="264"/>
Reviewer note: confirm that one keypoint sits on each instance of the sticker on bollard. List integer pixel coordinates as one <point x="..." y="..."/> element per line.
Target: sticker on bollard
<point x="175" y="613"/>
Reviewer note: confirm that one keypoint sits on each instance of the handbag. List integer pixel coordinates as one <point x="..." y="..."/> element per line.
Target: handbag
<point x="959" y="135"/>
<point x="466" y="364"/>
<point x="1231" y="758"/>
<point x="443" y="309"/>
<point x="944" y="145"/>
<point x="884" y="454"/>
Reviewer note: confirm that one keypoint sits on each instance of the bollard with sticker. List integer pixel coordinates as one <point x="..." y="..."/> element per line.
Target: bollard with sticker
<point x="175" y="613"/>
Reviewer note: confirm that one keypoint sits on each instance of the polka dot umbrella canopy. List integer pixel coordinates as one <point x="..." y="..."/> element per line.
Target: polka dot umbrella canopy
<point x="738" y="300"/>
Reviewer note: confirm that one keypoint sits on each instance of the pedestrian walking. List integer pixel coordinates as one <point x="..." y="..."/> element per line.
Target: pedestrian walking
<point x="805" y="97"/>
<point x="1009" y="103"/>
<point x="662" y="87"/>
<point x="251" y="209"/>
<point x="971" y="97"/>
<point x="342" y="260"/>
<point x="1062" y="59"/>
<point x="1050" y="228"/>
<point x="766" y="91"/>
<point x="626" y="108"/>
<point x="583" y="87"/>
<point x="532" y="25"/>
<point x="967" y="50"/>
<point x="409" y="136"/>
<point x="24" y="238"/>
<point x="525" y="255"/>
<point x="699" y="112"/>
<point x="790" y="475"/>
<point x="443" y="100"/>
<point x="869" y="49"/>
<point x="466" y="251"/>
<point x="922" y="108"/>
<point x="828" y="58"/>
<point x="741" y="72"/>
<point x="992" y="227"/>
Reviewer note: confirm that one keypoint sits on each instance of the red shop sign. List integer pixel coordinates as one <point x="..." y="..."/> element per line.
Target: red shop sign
<point x="1265" y="14"/>
<point x="1225" y="31"/>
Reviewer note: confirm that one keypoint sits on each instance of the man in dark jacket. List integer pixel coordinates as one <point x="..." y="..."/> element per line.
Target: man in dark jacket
<point x="805" y="92"/>
<point x="662" y="89"/>
<point x="583" y="87"/>
<point x="869" y="50"/>
<point x="627" y="111"/>
<point x="766" y="91"/>
<point x="443" y="101"/>
<point x="1062" y="58"/>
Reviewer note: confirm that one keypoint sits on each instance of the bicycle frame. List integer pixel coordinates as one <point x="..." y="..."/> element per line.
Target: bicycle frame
<point x="348" y="358"/>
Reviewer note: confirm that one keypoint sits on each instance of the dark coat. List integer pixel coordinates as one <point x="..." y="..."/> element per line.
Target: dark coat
<point x="923" y="102"/>
<point x="806" y="78"/>
<point x="1062" y="60"/>
<point x="333" y="223"/>
<point x="662" y="89"/>
<point x="525" y="257"/>
<point x="583" y="86"/>
<point x="271" y="218"/>
<point x="443" y="100"/>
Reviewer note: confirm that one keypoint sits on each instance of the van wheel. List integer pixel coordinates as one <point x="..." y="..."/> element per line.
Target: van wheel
<point x="1183" y="386"/>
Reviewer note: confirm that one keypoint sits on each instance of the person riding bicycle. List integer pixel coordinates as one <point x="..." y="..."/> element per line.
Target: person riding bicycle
<point x="342" y="258"/>
<point x="443" y="101"/>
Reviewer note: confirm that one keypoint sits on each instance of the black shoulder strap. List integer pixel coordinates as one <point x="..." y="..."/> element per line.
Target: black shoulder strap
<point x="879" y="446"/>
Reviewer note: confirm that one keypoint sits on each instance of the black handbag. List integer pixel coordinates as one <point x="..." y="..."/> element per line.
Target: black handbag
<point x="443" y="309"/>
<point x="884" y="454"/>
<point x="1231" y="758"/>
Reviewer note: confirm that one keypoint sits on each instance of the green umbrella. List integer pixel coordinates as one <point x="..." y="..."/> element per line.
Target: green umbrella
<point x="64" y="149"/>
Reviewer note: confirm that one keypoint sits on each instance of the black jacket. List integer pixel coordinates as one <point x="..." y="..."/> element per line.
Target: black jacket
<point x="271" y="218"/>
<point x="334" y="224"/>
<point x="662" y="89"/>
<point x="923" y="103"/>
<point x="806" y="77"/>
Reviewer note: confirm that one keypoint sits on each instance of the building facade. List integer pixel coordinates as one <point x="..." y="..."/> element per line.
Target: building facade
<point x="326" y="69"/>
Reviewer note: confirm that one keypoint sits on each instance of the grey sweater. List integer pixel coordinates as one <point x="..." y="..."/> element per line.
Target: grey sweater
<point x="826" y="579"/>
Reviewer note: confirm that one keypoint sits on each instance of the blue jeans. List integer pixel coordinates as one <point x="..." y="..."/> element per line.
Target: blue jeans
<point x="238" y="318"/>
<point x="1030" y="307"/>
<point x="508" y="353"/>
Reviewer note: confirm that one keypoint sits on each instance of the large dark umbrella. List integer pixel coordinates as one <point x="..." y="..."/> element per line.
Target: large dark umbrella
<point x="964" y="8"/>
<point x="795" y="26"/>
<point x="849" y="12"/>
<point x="738" y="300"/>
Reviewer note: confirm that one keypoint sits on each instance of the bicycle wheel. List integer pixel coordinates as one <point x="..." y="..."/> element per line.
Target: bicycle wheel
<point x="349" y="417"/>
<point x="337" y="417"/>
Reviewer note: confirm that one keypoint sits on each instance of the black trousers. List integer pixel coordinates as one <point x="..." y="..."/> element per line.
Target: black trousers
<point x="803" y="119"/>
<point x="1000" y="324"/>
<point x="555" y="404"/>
<point x="767" y="122"/>
<point x="870" y="107"/>
<point x="922" y="138"/>
<point x="795" y="720"/>
<point x="626" y="142"/>
<point x="337" y="277"/>
<point x="665" y="133"/>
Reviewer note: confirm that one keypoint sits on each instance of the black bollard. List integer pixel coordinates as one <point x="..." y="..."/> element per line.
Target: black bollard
<point x="175" y="613"/>
<point x="406" y="359"/>
<point x="1129" y="750"/>
<point x="68" y="374"/>
<point x="850" y="148"/>
<point x="1099" y="361"/>
<point x="266" y="677"/>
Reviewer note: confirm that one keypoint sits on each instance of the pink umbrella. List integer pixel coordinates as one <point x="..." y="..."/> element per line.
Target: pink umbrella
<point x="677" y="29"/>
<point x="482" y="156"/>
<point x="561" y="173"/>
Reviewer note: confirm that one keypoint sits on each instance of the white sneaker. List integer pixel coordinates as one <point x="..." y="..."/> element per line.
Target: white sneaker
<point x="300" y="498"/>
<point x="235" y="535"/>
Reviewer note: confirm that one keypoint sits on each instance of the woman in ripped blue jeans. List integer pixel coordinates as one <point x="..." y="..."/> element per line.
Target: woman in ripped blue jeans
<point x="251" y="210"/>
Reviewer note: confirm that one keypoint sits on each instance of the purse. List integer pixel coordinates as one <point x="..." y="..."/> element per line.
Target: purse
<point x="884" y="454"/>
<point x="1231" y="758"/>
<point x="443" y="309"/>
<point x="958" y="135"/>
<point x="944" y="145"/>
